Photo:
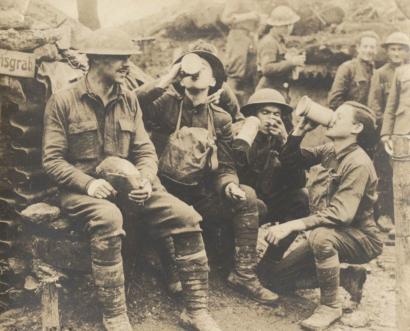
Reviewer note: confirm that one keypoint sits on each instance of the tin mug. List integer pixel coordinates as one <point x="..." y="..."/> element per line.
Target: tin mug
<point x="247" y="134"/>
<point x="314" y="111"/>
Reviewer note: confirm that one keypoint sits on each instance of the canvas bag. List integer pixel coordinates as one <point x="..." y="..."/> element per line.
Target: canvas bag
<point x="190" y="153"/>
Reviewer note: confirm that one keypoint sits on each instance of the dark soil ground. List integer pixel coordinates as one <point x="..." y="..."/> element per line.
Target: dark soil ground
<point x="151" y="308"/>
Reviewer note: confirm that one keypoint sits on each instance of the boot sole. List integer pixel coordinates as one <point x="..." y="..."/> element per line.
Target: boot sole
<point x="314" y="328"/>
<point x="244" y="291"/>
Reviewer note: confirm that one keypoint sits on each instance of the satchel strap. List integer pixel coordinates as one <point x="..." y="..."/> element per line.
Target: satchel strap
<point x="210" y="115"/>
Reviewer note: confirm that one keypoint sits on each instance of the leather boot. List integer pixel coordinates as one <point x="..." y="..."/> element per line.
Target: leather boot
<point x="352" y="279"/>
<point x="193" y="272"/>
<point x="244" y="278"/>
<point x="330" y="309"/>
<point x="109" y="281"/>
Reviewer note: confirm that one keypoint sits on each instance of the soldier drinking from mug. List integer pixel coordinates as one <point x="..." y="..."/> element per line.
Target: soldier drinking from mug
<point x="344" y="230"/>
<point x="196" y="162"/>
<point x="280" y="190"/>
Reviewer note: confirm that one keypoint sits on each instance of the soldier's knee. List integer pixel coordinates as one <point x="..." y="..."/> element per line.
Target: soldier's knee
<point x="107" y="221"/>
<point x="321" y="243"/>
<point x="250" y="203"/>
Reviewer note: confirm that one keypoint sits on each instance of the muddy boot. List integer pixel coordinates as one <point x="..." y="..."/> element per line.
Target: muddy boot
<point x="193" y="272"/>
<point x="330" y="309"/>
<point x="244" y="278"/>
<point x="352" y="280"/>
<point x="322" y="318"/>
<point x="166" y="252"/>
<point x="109" y="281"/>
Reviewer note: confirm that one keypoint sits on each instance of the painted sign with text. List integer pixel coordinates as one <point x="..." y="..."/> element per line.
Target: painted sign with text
<point x="17" y="64"/>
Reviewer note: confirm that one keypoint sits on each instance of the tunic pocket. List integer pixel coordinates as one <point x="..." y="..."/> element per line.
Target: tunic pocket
<point x="83" y="140"/>
<point x="125" y="136"/>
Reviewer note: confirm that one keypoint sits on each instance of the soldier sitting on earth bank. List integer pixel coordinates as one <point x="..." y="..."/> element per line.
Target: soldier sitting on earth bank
<point x="96" y="118"/>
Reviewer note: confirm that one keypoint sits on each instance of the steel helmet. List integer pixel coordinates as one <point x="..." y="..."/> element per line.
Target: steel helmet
<point x="107" y="42"/>
<point x="282" y="15"/>
<point x="399" y="38"/>
<point x="263" y="97"/>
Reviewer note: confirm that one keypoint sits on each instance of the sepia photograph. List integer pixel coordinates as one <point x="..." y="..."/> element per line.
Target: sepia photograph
<point x="204" y="165"/>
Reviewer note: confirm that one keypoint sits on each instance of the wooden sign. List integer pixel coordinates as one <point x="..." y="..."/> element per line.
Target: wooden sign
<point x="17" y="64"/>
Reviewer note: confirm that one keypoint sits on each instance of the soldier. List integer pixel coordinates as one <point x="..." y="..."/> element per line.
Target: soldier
<point x="345" y="229"/>
<point x="243" y="20"/>
<point x="352" y="80"/>
<point x="274" y="61"/>
<point x="397" y="46"/>
<point x="217" y="196"/>
<point x="89" y="121"/>
<point x="280" y="190"/>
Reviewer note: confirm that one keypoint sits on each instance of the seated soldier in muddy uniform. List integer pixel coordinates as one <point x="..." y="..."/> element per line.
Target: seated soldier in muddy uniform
<point x="345" y="229"/>
<point x="280" y="190"/>
<point x="216" y="193"/>
<point x="84" y="124"/>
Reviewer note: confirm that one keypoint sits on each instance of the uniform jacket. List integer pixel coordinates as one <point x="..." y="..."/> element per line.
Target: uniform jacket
<point x="79" y="132"/>
<point x="162" y="109"/>
<point x="379" y="89"/>
<point x="274" y="67"/>
<point x="351" y="83"/>
<point x="351" y="185"/>
<point x="260" y="168"/>
<point x="396" y="118"/>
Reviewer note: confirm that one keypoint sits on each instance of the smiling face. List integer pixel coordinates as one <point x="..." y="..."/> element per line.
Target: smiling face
<point x="344" y="124"/>
<point x="367" y="49"/>
<point x="267" y="115"/>
<point x="397" y="53"/>
<point x="201" y="81"/>
<point x="113" y="68"/>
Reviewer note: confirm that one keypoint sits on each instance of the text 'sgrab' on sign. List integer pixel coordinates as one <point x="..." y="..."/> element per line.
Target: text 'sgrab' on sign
<point x="17" y="64"/>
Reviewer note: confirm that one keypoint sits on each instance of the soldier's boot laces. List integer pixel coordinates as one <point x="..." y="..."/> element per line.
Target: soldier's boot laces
<point x="244" y="278"/>
<point x="352" y="280"/>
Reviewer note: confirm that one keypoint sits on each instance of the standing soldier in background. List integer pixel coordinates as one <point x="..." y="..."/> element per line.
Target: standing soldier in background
<point x="243" y="20"/>
<point x="352" y="80"/>
<point x="274" y="62"/>
<point x="397" y="46"/>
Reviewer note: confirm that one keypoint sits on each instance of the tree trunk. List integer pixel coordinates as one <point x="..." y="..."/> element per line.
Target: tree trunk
<point x="49" y="311"/>
<point x="401" y="187"/>
<point x="88" y="13"/>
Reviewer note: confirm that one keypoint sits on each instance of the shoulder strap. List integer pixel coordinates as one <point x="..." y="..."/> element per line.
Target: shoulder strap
<point x="211" y="124"/>
<point x="213" y="160"/>
<point x="179" y="116"/>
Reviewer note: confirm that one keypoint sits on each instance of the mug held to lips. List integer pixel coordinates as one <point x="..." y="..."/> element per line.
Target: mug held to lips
<point x="246" y="135"/>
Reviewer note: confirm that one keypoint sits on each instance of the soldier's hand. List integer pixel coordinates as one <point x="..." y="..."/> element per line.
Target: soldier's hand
<point x="170" y="77"/>
<point x="142" y="194"/>
<point x="303" y="126"/>
<point x="216" y="97"/>
<point x="100" y="189"/>
<point x="277" y="129"/>
<point x="234" y="192"/>
<point x="277" y="233"/>
<point x="298" y="60"/>
<point x="388" y="144"/>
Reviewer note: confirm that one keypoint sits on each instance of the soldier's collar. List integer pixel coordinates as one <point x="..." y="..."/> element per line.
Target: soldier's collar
<point x="345" y="151"/>
<point x="85" y="90"/>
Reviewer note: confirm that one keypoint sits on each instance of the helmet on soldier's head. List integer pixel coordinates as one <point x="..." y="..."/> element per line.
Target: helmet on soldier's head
<point x="107" y="42"/>
<point x="397" y="38"/>
<point x="282" y="15"/>
<point x="265" y="96"/>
